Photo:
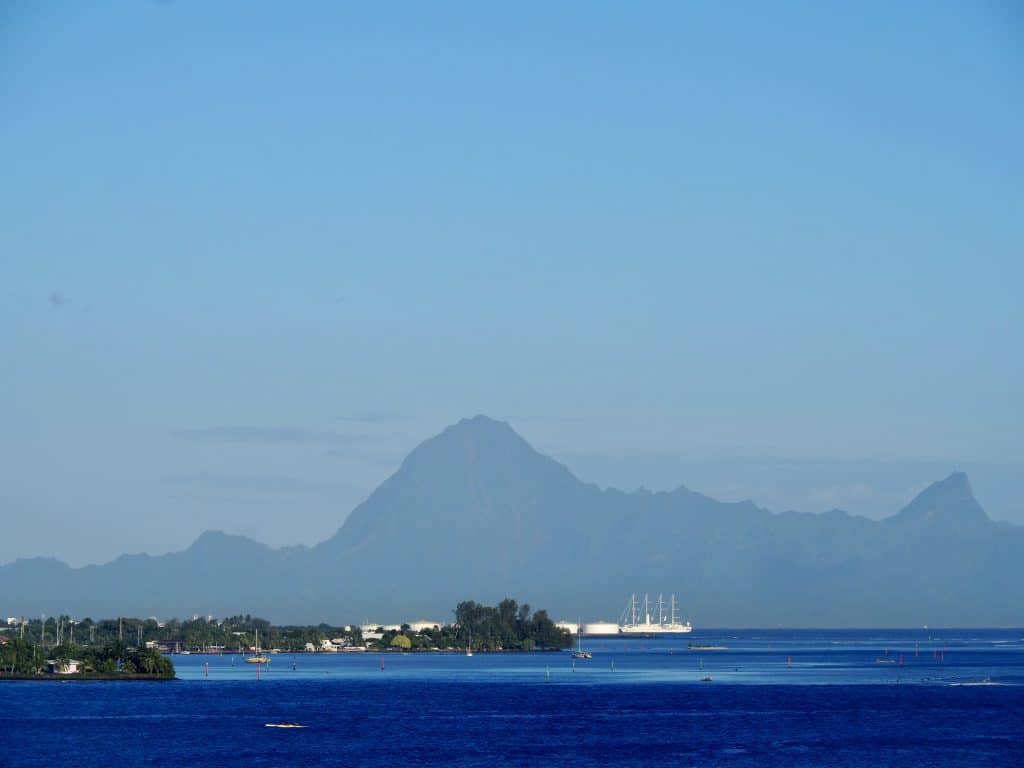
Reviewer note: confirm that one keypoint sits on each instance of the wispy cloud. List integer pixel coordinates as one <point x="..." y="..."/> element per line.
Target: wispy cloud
<point x="274" y="435"/>
<point x="57" y="299"/>
<point x="260" y="485"/>
<point x="371" y="417"/>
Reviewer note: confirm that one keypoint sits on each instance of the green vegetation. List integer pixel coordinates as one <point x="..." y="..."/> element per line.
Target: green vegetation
<point x="401" y="641"/>
<point x="505" y="627"/>
<point x="128" y="646"/>
<point x="233" y="634"/>
<point x="21" y="658"/>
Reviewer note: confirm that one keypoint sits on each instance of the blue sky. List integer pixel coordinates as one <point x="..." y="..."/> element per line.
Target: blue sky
<point x="251" y="254"/>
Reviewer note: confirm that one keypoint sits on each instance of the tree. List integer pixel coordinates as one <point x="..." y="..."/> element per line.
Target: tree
<point x="401" y="641"/>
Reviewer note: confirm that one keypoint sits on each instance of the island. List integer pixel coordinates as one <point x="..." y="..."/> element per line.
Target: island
<point x="114" y="660"/>
<point x="140" y="649"/>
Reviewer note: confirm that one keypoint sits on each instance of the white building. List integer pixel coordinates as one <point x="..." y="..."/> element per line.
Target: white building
<point x="569" y="626"/>
<point x="422" y="624"/>
<point x="69" y="667"/>
<point x="371" y="627"/>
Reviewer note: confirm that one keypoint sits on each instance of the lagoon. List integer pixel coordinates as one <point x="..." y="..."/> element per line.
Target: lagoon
<point x="778" y="697"/>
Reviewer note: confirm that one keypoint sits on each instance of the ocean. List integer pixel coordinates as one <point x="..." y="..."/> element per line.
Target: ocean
<point x="775" y="698"/>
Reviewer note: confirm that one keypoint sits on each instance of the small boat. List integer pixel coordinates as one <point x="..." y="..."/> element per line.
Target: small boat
<point x="579" y="653"/>
<point x="701" y="647"/>
<point x="257" y="658"/>
<point x="706" y="679"/>
<point x="885" y="660"/>
<point x="285" y="725"/>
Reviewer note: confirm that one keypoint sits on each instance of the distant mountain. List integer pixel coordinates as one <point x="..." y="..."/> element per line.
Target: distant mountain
<point x="476" y="512"/>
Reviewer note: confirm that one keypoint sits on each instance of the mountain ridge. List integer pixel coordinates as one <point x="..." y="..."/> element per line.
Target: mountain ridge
<point x="477" y="512"/>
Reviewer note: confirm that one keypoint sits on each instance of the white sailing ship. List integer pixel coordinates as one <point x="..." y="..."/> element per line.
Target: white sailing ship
<point x="642" y="617"/>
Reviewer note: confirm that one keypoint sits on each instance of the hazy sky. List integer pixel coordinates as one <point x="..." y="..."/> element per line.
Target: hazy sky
<point x="250" y="255"/>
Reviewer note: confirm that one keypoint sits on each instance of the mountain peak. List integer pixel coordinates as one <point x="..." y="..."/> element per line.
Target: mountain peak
<point x="218" y="542"/>
<point x="948" y="500"/>
<point x="471" y="441"/>
<point x="480" y="424"/>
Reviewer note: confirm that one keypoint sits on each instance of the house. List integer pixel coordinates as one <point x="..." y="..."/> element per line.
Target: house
<point x="69" y="667"/>
<point x="422" y="624"/>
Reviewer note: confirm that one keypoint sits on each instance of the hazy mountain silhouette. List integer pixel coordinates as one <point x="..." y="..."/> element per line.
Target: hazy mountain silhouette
<point x="476" y="512"/>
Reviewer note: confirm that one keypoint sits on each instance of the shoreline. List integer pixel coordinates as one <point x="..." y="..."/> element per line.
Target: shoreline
<point x="84" y="678"/>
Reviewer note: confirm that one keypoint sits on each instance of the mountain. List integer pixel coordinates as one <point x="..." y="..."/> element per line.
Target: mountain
<point x="476" y="512"/>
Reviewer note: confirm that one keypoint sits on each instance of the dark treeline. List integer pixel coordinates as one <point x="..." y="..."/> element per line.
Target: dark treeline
<point x="21" y="658"/>
<point x="233" y="634"/>
<point x="506" y="626"/>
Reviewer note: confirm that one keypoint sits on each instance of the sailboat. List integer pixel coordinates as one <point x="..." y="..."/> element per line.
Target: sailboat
<point x="257" y="658"/>
<point x="579" y="653"/>
<point x="469" y="648"/>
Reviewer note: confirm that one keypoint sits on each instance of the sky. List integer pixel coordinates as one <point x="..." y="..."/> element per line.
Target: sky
<point x="251" y="254"/>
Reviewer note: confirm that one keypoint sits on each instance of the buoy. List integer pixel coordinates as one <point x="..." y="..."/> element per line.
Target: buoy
<point x="613" y="665"/>
<point x="381" y="663"/>
<point x="789" y="661"/>
<point x="547" y="673"/>
<point x="206" y="670"/>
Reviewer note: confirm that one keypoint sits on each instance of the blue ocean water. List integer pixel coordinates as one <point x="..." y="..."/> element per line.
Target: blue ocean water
<point x="851" y="698"/>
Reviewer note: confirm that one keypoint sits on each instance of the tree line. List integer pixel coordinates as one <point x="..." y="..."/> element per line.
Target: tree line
<point x="506" y="626"/>
<point x="115" y="657"/>
<point x="232" y="634"/>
